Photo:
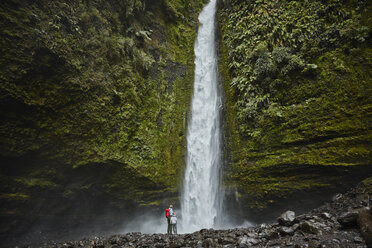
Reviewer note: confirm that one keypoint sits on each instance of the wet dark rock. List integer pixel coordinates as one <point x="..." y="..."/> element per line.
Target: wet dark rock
<point x="226" y="241"/>
<point x="287" y="218"/>
<point x="253" y="241"/>
<point x="358" y="239"/>
<point x="272" y="235"/>
<point x="243" y="242"/>
<point x="337" y="197"/>
<point x="308" y="227"/>
<point x="208" y="242"/>
<point x="288" y="230"/>
<point x="348" y="219"/>
<point x="365" y="224"/>
<point x="326" y="215"/>
<point x="313" y="244"/>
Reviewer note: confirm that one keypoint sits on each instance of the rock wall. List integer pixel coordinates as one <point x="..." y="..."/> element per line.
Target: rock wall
<point x="94" y="100"/>
<point x="297" y="78"/>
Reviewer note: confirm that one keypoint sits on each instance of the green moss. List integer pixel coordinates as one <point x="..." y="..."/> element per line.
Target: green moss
<point x="298" y="86"/>
<point x="95" y="97"/>
<point x="368" y="184"/>
<point x="35" y="182"/>
<point x="15" y="196"/>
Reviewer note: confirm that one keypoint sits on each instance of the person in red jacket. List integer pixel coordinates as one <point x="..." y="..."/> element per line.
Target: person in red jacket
<point x="168" y="215"/>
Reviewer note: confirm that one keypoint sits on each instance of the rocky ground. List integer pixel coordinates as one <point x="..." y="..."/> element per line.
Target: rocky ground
<point x="346" y="221"/>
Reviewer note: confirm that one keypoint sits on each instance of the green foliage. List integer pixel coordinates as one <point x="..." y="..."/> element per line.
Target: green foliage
<point x="97" y="94"/>
<point x="300" y="73"/>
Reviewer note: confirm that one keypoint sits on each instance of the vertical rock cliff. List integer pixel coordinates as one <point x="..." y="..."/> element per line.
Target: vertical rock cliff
<point x="298" y="82"/>
<point x="93" y="99"/>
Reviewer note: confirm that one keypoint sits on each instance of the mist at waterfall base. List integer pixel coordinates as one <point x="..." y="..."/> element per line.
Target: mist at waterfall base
<point x="202" y="199"/>
<point x="155" y="222"/>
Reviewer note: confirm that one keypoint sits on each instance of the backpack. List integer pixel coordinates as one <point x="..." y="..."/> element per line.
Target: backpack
<point x="173" y="220"/>
<point x="167" y="214"/>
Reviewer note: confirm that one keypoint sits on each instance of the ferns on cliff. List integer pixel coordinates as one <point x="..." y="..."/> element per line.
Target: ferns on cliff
<point x="300" y="73"/>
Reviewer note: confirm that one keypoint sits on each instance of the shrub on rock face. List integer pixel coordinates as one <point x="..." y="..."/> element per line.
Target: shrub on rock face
<point x="287" y="218"/>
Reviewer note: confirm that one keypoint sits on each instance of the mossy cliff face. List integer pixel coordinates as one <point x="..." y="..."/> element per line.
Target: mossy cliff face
<point x="297" y="77"/>
<point x="93" y="98"/>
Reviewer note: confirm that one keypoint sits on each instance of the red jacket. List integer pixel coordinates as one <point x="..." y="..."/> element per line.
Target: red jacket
<point x="167" y="214"/>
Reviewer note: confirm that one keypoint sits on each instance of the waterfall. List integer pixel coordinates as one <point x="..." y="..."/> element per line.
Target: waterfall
<point x="202" y="197"/>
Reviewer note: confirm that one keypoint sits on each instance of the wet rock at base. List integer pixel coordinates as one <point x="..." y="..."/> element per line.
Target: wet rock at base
<point x="364" y="221"/>
<point x="308" y="227"/>
<point x="337" y="197"/>
<point x="247" y="242"/>
<point x="253" y="241"/>
<point x="287" y="218"/>
<point x="358" y="239"/>
<point x="348" y="219"/>
<point x="208" y="242"/>
<point x="243" y="242"/>
<point x="284" y="230"/>
<point x="326" y="215"/>
<point x="271" y="235"/>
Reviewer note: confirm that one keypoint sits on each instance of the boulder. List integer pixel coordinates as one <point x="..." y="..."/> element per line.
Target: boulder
<point x="253" y="241"/>
<point x="199" y="244"/>
<point x="243" y="242"/>
<point x="326" y="215"/>
<point x="208" y="243"/>
<point x="364" y="221"/>
<point x="308" y="227"/>
<point x="247" y="241"/>
<point x="348" y="219"/>
<point x="226" y="240"/>
<point x="337" y="197"/>
<point x="287" y="218"/>
<point x="358" y="240"/>
<point x="285" y="230"/>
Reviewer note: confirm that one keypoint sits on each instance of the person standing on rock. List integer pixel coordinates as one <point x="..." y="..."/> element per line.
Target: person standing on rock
<point x="168" y="214"/>
<point x="173" y="222"/>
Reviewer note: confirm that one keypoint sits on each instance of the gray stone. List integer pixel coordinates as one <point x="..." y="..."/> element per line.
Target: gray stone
<point x="336" y="241"/>
<point x="252" y="235"/>
<point x="337" y="197"/>
<point x="348" y="219"/>
<point x="308" y="227"/>
<point x="272" y="235"/>
<point x="326" y="215"/>
<point x="313" y="244"/>
<point x="288" y="230"/>
<point x="287" y="218"/>
<point x="243" y="242"/>
<point x="358" y="239"/>
<point x="365" y="225"/>
<point x="199" y="244"/>
<point x="226" y="241"/>
<point x="208" y="243"/>
<point x="253" y="241"/>
<point x="288" y="243"/>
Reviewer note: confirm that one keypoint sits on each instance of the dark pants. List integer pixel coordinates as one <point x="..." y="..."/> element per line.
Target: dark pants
<point x="169" y="231"/>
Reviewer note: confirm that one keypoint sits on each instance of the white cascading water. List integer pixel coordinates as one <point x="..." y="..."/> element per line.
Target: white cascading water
<point x="201" y="202"/>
